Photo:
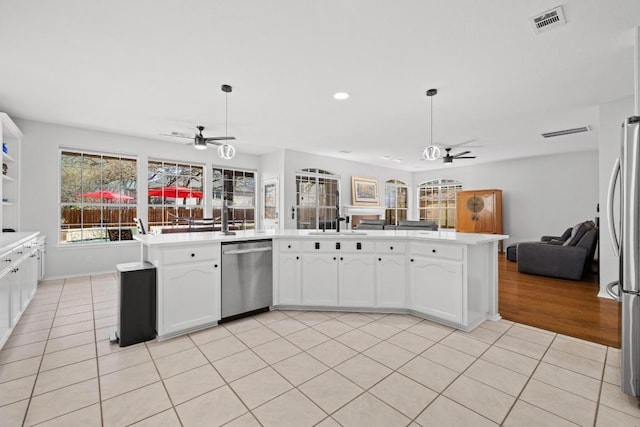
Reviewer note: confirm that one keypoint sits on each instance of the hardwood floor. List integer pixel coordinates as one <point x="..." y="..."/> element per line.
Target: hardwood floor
<point x="564" y="306"/>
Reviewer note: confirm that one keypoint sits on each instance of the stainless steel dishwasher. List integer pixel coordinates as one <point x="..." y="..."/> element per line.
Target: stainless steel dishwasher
<point x="247" y="280"/>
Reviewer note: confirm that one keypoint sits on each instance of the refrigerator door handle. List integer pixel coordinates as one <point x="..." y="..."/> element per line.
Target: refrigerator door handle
<point x="615" y="295"/>
<point x="615" y="174"/>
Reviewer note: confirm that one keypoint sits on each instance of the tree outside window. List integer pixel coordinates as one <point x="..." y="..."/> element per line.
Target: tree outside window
<point x="97" y="197"/>
<point x="316" y="199"/>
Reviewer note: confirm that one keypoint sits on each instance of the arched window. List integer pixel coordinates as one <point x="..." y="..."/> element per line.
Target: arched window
<point x="395" y="201"/>
<point x="317" y="199"/>
<point x="437" y="199"/>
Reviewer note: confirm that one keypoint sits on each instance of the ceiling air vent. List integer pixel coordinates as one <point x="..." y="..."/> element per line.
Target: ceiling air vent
<point x="548" y="20"/>
<point x="566" y="132"/>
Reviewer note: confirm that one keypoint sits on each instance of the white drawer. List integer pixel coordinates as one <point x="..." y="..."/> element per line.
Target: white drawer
<point x="391" y="247"/>
<point x="289" y="246"/>
<point x="437" y="251"/>
<point x="357" y="246"/>
<point x="191" y="254"/>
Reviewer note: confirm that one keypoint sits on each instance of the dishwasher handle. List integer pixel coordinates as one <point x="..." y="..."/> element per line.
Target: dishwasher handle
<point x="246" y="251"/>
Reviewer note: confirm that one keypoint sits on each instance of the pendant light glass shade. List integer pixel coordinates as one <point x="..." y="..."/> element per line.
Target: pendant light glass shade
<point x="226" y="151"/>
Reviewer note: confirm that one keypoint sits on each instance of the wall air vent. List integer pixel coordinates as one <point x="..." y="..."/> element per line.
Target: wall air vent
<point x="548" y="20"/>
<point x="566" y="132"/>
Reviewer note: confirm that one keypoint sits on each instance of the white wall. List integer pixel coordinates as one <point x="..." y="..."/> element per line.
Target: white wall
<point x="540" y="195"/>
<point x="272" y="166"/>
<point x="611" y="116"/>
<point x="296" y="160"/>
<point x="40" y="194"/>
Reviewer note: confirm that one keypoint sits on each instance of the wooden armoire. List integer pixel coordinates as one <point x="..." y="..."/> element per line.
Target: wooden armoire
<point x="479" y="211"/>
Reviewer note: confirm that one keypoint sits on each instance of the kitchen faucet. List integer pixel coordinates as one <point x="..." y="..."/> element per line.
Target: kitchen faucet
<point x="338" y="217"/>
<point x="225" y="218"/>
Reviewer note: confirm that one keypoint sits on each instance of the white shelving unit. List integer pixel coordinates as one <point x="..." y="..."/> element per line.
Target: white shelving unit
<point x="11" y="136"/>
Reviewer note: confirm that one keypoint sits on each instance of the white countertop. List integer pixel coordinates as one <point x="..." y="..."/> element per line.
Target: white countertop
<point x="9" y="240"/>
<point x="216" y="236"/>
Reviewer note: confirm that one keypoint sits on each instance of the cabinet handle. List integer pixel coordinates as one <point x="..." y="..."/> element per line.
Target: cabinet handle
<point x="7" y="260"/>
<point x="288" y="246"/>
<point x="297" y="257"/>
<point x="411" y="259"/>
<point x="215" y="265"/>
<point x="19" y="252"/>
<point x="192" y="255"/>
<point x="334" y="258"/>
<point x="341" y="259"/>
<point x="391" y="248"/>
<point x="338" y="245"/>
<point x="433" y="250"/>
<point x="379" y="259"/>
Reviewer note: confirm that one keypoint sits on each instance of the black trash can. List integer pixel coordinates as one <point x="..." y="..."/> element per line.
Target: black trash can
<point x="136" y="304"/>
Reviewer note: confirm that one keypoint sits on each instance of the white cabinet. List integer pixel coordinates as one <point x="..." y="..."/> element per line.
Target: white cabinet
<point x="188" y="288"/>
<point x="11" y="136"/>
<point x="356" y="280"/>
<point x="320" y="279"/>
<point x="287" y="273"/>
<point x="391" y="280"/>
<point x="14" y="285"/>
<point x="5" y="307"/>
<point x="436" y="287"/>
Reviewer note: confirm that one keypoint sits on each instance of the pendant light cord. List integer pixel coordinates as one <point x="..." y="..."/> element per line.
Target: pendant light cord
<point x="432" y="120"/>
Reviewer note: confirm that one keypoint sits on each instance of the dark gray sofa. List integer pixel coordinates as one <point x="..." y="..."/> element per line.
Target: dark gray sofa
<point x="371" y="224"/>
<point x="567" y="257"/>
<point x="406" y="224"/>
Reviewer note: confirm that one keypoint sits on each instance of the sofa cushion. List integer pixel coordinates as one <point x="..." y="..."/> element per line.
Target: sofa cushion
<point x="578" y="232"/>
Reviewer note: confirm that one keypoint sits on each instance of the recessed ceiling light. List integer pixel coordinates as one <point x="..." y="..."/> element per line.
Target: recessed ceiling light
<point x="341" y="95"/>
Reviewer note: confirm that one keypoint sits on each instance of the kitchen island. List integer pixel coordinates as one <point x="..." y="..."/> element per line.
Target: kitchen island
<point x="444" y="276"/>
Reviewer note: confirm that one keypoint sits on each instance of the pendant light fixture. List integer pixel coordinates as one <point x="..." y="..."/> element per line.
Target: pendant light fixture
<point x="226" y="151"/>
<point x="432" y="152"/>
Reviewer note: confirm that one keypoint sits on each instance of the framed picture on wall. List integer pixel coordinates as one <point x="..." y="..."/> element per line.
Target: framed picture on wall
<point x="364" y="191"/>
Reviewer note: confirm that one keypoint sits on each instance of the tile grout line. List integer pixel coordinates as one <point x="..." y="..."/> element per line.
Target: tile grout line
<point x="35" y="381"/>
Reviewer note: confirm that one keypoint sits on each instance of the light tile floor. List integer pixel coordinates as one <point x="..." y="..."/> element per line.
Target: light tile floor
<point x="296" y="368"/>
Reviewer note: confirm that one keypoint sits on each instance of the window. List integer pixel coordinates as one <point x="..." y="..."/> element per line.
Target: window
<point x="437" y="200"/>
<point x="175" y="192"/>
<point x="316" y="199"/>
<point x="97" y="194"/>
<point x="395" y="200"/>
<point x="238" y="187"/>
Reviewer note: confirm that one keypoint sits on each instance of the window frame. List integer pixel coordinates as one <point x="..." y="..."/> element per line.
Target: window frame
<point x="186" y="210"/>
<point x="101" y="232"/>
<point x="448" y="221"/>
<point x="322" y="212"/>
<point x="248" y="210"/>
<point x="393" y="212"/>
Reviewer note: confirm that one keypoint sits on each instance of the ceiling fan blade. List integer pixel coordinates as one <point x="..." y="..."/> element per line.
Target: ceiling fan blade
<point x="219" y="138"/>
<point x="457" y="156"/>
<point x="465" y="157"/>
<point x="463" y="143"/>
<point x="177" y="135"/>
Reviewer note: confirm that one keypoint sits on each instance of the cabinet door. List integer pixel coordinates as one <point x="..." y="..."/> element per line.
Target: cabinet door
<point x="288" y="280"/>
<point x="5" y="308"/>
<point x="436" y="288"/>
<point x="356" y="281"/>
<point x="486" y="219"/>
<point x="16" y="303"/>
<point x="319" y="279"/>
<point x="191" y="295"/>
<point x="465" y="221"/>
<point x="391" y="281"/>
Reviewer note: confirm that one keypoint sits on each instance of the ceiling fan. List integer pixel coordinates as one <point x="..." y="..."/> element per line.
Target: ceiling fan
<point x="448" y="157"/>
<point x="199" y="140"/>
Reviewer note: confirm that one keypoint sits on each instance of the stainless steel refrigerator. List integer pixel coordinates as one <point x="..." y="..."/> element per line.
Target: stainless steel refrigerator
<point x="625" y="237"/>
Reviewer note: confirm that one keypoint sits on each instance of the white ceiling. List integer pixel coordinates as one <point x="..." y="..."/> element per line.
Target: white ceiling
<point x="147" y="67"/>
